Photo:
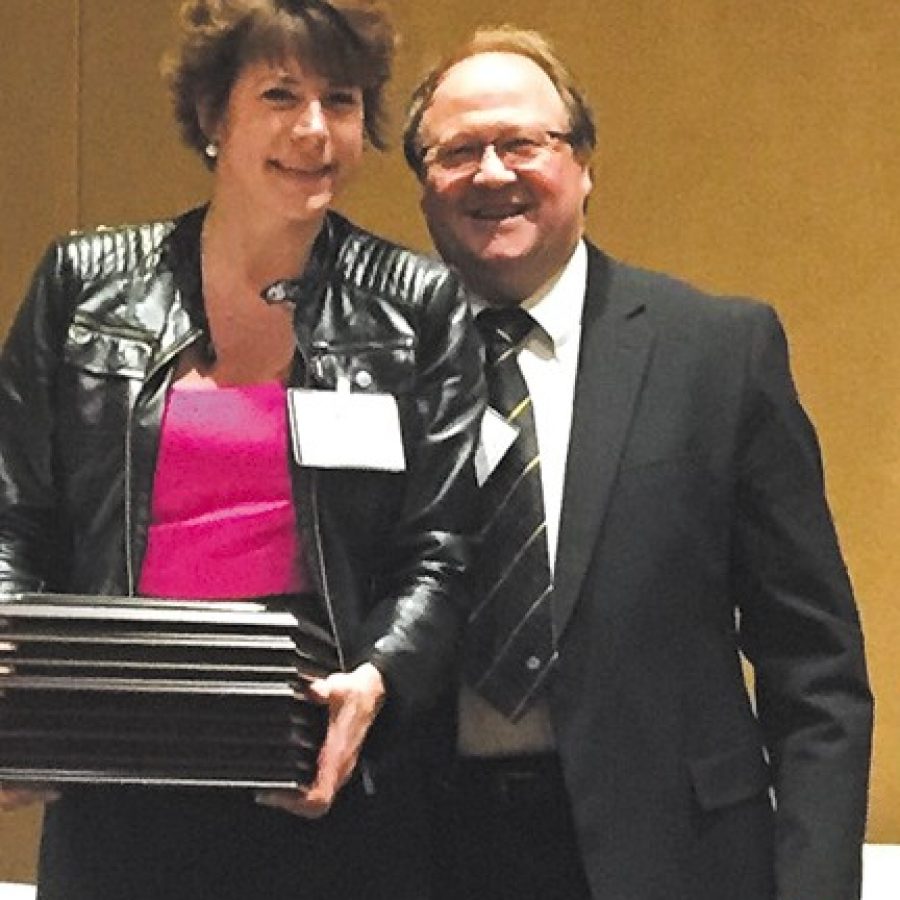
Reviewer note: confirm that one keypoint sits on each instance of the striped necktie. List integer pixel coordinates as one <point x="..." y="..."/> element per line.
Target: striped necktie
<point x="510" y="645"/>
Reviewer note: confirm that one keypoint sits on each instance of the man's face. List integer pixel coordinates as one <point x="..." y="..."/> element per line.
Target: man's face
<point x="509" y="228"/>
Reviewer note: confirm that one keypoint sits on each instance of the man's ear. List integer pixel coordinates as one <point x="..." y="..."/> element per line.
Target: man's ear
<point x="587" y="181"/>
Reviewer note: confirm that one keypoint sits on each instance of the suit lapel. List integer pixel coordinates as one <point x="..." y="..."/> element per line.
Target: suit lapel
<point x="616" y="340"/>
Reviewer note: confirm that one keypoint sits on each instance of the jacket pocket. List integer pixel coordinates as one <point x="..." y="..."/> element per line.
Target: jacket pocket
<point x="732" y="776"/>
<point x="384" y="366"/>
<point x="107" y="350"/>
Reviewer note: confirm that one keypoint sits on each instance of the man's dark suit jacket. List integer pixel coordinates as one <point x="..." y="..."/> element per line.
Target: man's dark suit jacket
<point x="695" y="527"/>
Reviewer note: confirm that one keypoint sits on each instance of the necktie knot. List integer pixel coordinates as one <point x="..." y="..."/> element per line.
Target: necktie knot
<point x="504" y="327"/>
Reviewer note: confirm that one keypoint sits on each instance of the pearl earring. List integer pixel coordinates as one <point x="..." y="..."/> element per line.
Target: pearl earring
<point x="211" y="150"/>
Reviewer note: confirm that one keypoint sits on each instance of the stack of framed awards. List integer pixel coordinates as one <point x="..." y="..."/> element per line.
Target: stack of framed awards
<point x="158" y="692"/>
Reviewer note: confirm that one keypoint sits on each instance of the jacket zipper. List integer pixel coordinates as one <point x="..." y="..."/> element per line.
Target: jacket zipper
<point x="317" y="529"/>
<point x="129" y="533"/>
<point x="174" y="350"/>
<point x="320" y="563"/>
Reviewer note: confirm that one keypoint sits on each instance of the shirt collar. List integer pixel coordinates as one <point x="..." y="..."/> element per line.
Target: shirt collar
<point x="558" y="305"/>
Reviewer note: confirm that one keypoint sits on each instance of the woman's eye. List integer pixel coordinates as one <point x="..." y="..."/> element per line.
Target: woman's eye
<point x="279" y="96"/>
<point x="343" y="99"/>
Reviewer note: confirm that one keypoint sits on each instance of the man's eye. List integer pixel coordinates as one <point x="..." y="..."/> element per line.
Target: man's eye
<point x="518" y="145"/>
<point x="460" y="154"/>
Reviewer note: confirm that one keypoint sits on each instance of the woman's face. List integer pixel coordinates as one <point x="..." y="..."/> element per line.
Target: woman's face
<point x="288" y="141"/>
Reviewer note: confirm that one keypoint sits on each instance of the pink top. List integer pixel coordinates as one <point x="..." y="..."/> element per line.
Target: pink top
<point x="222" y="521"/>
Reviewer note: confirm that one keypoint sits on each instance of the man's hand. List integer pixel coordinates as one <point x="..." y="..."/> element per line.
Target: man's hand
<point x="353" y="700"/>
<point x="15" y="796"/>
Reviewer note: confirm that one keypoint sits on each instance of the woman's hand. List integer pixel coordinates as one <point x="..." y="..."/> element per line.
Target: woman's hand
<point x="353" y="700"/>
<point x="15" y="796"/>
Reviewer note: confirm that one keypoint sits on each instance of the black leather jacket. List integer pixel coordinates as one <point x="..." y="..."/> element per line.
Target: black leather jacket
<point x="83" y="378"/>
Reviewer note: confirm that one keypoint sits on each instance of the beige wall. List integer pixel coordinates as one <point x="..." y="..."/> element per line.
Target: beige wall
<point x="751" y="148"/>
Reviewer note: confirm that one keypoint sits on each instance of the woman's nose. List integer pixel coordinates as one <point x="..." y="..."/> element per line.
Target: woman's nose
<point x="310" y="121"/>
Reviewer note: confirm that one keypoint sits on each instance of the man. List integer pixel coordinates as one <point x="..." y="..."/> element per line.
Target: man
<point x="607" y="747"/>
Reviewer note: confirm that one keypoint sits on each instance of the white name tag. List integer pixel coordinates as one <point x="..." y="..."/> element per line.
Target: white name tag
<point x="343" y="430"/>
<point x="497" y="436"/>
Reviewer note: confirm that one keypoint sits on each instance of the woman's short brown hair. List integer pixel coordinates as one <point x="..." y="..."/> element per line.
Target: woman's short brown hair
<point x="350" y="42"/>
<point x="506" y="39"/>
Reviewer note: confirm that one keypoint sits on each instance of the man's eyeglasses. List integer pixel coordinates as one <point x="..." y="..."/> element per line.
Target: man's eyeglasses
<point x="517" y="149"/>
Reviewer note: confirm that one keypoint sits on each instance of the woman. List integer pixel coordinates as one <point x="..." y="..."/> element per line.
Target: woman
<point x="146" y="450"/>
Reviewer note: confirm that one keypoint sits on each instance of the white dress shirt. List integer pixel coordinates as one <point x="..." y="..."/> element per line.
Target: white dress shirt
<point x="549" y="364"/>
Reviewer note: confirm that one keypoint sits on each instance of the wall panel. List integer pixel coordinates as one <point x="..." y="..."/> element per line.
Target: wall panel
<point x="133" y="165"/>
<point x="38" y="135"/>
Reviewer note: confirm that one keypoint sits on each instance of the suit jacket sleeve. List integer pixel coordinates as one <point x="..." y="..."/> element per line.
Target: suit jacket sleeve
<point x="801" y="631"/>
